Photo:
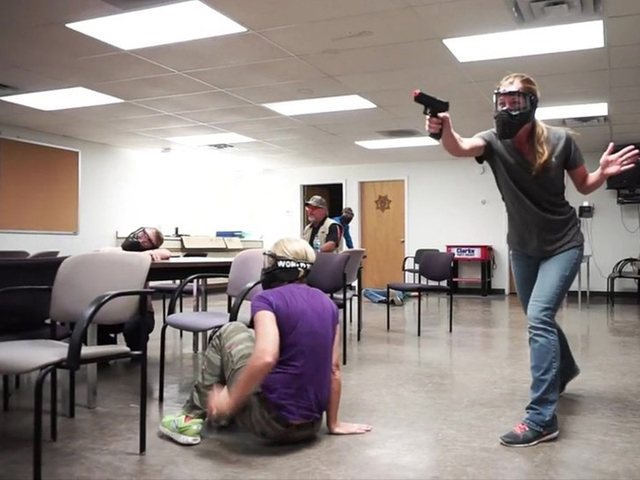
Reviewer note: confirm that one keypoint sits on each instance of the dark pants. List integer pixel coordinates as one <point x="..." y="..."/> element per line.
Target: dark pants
<point x="130" y="330"/>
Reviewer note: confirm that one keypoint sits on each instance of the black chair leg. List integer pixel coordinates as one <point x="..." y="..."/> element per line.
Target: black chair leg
<point x="344" y="334"/>
<point x="5" y="393"/>
<point x="37" y="423"/>
<point x="17" y="382"/>
<point x="450" y="312"/>
<point x="163" y="333"/>
<point x="72" y="393"/>
<point x="54" y="404"/>
<point x="419" y="312"/>
<point x="143" y="402"/>
<point x="388" y="307"/>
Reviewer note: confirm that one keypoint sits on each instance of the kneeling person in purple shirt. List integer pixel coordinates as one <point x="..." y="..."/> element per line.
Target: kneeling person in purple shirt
<point x="280" y="378"/>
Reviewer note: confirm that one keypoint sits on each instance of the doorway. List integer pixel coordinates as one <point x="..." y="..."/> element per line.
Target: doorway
<point x="382" y="212"/>
<point x="331" y="192"/>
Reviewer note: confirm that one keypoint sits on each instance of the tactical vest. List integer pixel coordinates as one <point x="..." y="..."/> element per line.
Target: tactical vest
<point x="323" y="231"/>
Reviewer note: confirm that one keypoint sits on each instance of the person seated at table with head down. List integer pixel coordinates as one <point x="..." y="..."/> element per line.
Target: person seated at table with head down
<point x="146" y="241"/>
<point x="278" y="379"/>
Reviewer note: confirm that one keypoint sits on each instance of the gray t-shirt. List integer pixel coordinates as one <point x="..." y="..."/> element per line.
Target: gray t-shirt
<point x="541" y="221"/>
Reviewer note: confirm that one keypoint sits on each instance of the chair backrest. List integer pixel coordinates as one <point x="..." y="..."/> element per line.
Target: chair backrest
<point x="25" y="310"/>
<point x="436" y="266"/>
<point x="355" y="258"/>
<point x="328" y="272"/>
<point x="45" y="254"/>
<point x="82" y="278"/>
<point x="246" y="268"/>
<point x="6" y="254"/>
<point x="422" y="251"/>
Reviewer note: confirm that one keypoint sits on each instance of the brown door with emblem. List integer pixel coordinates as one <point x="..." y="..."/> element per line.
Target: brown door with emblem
<point x="382" y="231"/>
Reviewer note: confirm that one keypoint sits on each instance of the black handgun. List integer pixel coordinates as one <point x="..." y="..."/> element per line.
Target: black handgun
<point x="432" y="107"/>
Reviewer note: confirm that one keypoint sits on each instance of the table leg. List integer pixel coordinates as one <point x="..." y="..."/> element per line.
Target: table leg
<point x="588" y="280"/>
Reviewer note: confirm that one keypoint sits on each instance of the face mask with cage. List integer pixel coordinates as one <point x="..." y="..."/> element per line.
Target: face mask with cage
<point x="138" y="241"/>
<point x="512" y="110"/>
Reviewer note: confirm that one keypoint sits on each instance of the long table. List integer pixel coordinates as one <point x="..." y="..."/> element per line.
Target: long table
<point x="179" y="268"/>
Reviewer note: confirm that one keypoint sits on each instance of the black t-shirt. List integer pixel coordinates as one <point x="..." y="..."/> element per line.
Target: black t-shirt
<point x="332" y="236"/>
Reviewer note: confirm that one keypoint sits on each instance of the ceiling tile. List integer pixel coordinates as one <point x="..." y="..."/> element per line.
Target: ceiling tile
<point x="279" y="92"/>
<point x="624" y="31"/>
<point x="155" y="121"/>
<point x="151" y="87"/>
<point x="624" y="77"/>
<point x="263" y="73"/>
<point x="179" y="131"/>
<point x="378" y="59"/>
<point x="538" y="65"/>
<point x="266" y="124"/>
<point x="222" y="115"/>
<point x="625" y="56"/>
<point x="277" y="13"/>
<point x="195" y="101"/>
<point x="374" y="29"/>
<point x="214" y="52"/>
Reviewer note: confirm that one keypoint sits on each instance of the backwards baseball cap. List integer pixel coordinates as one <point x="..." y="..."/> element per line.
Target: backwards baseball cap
<point x="317" y="201"/>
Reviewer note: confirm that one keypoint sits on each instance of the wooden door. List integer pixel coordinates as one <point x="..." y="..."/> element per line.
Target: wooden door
<point x="382" y="231"/>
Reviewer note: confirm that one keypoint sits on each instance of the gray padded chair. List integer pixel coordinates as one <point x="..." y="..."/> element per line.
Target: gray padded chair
<point x="351" y="270"/>
<point x="435" y="266"/>
<point x="328" y="274"/>
<point x="45" y="254"/>
<point x="6" y="254"/>
<point x="92" y="288"/>
<point x="411" y="264"/>
<point x="246" y="268"/>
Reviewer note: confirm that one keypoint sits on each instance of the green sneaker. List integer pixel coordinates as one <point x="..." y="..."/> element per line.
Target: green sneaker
<point x="181" y="430"/>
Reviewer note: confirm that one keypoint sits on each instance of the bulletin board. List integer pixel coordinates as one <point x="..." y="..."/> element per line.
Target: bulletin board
<point x="39" y="187"/>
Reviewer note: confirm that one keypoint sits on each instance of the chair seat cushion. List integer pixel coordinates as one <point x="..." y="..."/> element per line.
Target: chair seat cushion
<point x="95" y="352"/>
<point x="337" y="297"/>
<point x="417" y="287"/>
<point x="197" y="321"/>
<point x="23" y="356"/>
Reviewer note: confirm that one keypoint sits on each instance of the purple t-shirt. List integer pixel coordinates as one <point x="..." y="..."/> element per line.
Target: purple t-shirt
<point x="299" y="384"/>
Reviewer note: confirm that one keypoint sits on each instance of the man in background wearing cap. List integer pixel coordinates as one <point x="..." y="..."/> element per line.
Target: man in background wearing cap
<point x="322" y="233"/>
<point x="345" y="219"/>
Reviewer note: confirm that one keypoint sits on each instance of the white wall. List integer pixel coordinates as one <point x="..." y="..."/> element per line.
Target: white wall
<point x="448" y="201"/>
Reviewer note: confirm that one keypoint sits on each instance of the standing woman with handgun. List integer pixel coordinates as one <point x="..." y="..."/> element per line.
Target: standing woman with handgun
<point x="528" y="160"/>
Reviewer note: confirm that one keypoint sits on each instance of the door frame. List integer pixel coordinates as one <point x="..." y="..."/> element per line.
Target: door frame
<point x="302" y="216"/>
<point x="405" y="179"/>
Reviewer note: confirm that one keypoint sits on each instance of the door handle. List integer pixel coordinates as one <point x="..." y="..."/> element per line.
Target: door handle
<point x="402" y="240"/>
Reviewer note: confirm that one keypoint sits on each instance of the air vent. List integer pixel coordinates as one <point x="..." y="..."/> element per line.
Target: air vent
<point x="584" y="121"/>
<point x="555" y="11"/>
<point x="400" y="133"/>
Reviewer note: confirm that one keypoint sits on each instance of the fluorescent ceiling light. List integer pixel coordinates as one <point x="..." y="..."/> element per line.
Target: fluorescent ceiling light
<point x="321" y="105"/>
<point x="212" y="139"/>
<point x="398" y="143"/>
<point x="573" y="111"/>
<point x="64" y="98"/>
<point x="175" y="23"/>
<point x="532" y="41"/>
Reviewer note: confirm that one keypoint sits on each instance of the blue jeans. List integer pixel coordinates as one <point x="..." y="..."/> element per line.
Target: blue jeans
<point x="542" y="284"/>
